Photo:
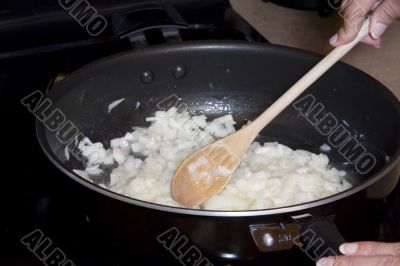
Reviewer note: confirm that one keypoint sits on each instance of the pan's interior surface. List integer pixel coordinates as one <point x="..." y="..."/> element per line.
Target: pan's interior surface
<point x="235" y="78"/>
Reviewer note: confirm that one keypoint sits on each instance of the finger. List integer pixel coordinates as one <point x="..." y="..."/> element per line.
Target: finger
<point x="359" y="261"/>
<point x="384" y="15"/>
<point x="374" y="42"/>
<point x="353" y="14"/>
<point x="370" y="248"/>
<point x="375" y="6"/>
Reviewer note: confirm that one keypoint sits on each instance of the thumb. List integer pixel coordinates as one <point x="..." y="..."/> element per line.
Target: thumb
<point x="384" y="15"/>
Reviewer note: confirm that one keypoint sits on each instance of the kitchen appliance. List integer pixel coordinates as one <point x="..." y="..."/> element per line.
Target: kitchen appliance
<point x="94" y="229"/>
<point x="40" y="44"/>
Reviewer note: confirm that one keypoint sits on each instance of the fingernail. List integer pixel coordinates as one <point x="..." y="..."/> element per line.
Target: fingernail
<point x="333" y="39"/>
<point x="325" y="262"/>
<point x="377" y="30"/>
<point x="348" y="248"/>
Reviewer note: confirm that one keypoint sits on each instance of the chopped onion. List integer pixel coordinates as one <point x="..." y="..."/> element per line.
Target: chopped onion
<point x="270" y="175"/>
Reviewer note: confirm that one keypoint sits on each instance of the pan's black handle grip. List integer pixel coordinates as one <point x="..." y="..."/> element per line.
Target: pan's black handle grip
<point x="321" y="238"/>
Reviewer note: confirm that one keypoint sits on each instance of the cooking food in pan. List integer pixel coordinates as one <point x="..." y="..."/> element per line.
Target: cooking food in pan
<point x="141" y="163"/>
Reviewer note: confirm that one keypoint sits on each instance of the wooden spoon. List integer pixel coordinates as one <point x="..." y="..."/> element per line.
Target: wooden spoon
<point x="208" y="170"/>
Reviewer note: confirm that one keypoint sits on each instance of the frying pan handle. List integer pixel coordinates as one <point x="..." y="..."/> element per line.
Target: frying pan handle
<point x="316" y="237"/>
<point x="133" y="24"/>
<point x="319" y="237"/>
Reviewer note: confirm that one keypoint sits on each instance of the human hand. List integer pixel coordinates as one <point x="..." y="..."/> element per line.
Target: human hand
<point x="365" y="254"/>
<point x="384" y="13"/>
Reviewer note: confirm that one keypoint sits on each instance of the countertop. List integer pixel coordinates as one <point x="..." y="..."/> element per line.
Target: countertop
<point x="309" y="31"/>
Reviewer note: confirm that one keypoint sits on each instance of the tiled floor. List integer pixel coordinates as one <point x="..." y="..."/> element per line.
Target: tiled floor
<point x="307" y="30"/>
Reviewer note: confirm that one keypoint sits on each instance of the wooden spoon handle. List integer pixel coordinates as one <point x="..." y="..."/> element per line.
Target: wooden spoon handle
<point x="300" y="86"/>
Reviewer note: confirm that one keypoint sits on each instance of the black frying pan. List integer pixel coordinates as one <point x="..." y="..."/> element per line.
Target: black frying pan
<point x="242" y="79"/>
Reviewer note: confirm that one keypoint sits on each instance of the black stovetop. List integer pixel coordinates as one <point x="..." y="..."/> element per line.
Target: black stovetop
<point x="36" y="195"/>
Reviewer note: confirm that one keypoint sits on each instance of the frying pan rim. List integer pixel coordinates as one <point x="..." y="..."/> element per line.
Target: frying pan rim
<point x="41" y="136"/>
